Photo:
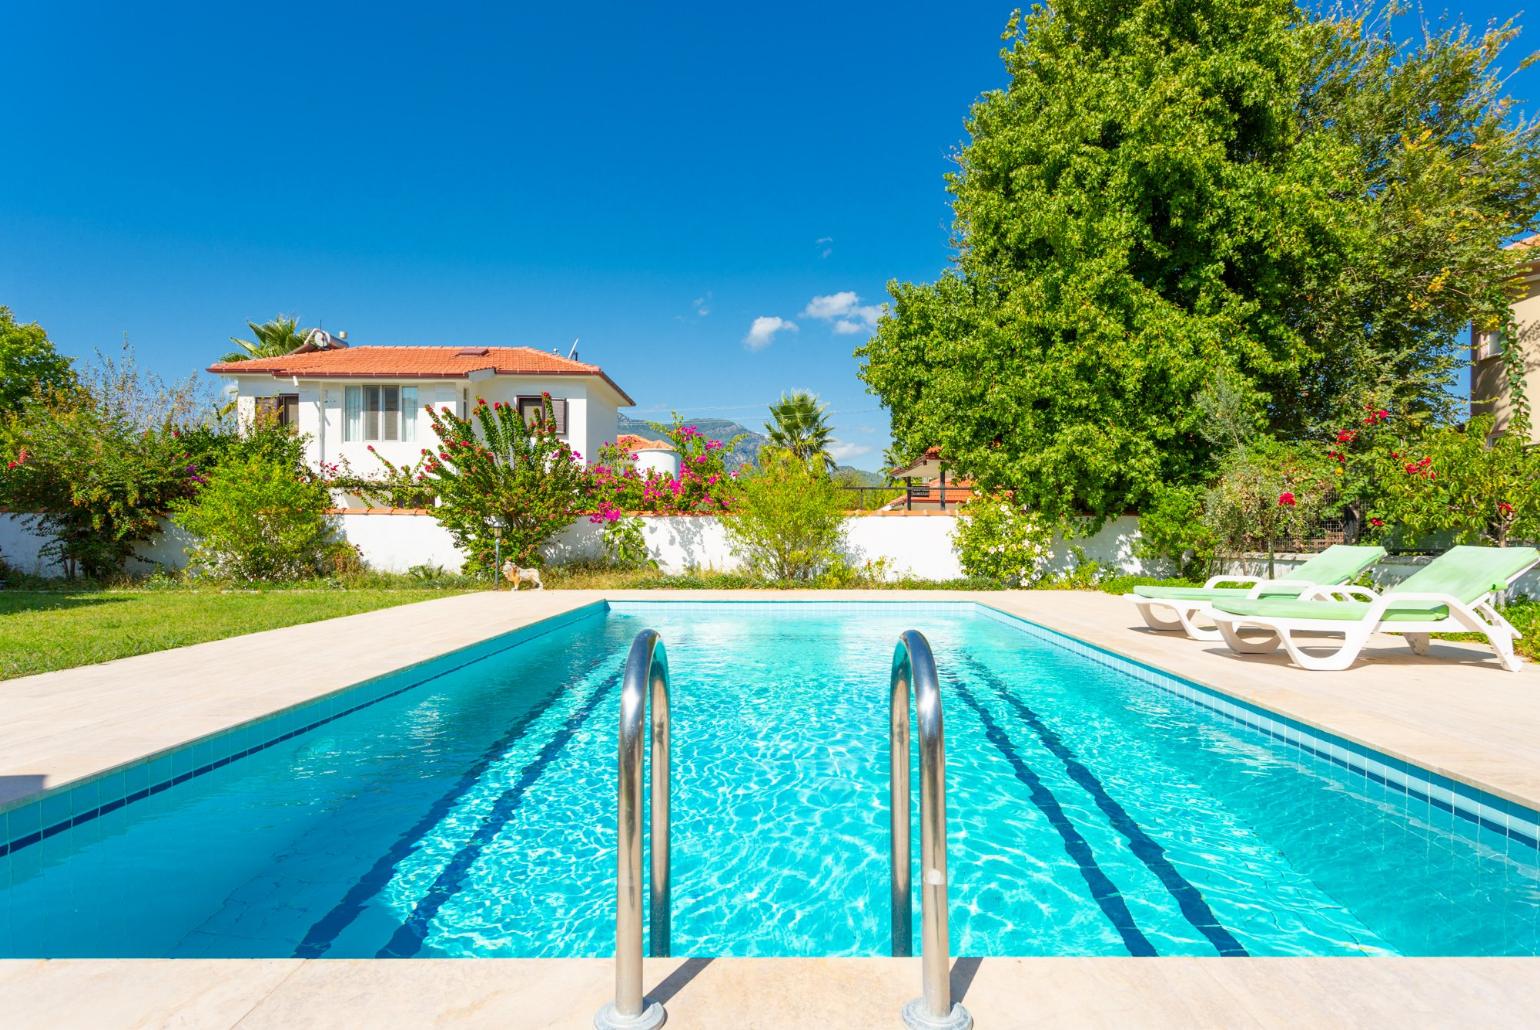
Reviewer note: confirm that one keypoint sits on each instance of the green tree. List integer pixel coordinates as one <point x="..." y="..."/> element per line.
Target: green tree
<point x="799" y="425"/>
<point x="496" y="474"/>
<point x="1166" y="196"/>
<point x="788" y="519"/>
<point x="272" y="339"/>
<point x="29" y="365"/>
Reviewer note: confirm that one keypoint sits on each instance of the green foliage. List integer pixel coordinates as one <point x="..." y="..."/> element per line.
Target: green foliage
<point x="624" y="541"/>
<point x="998" y="539"/>
<point x="494" y="473"/>
<point x="799" y="425"/>
<point x="1450" y="485"/>
<point x="273" y="339"/>
<point x="257" y="518"/>
<point x="1170" y="196"/>
<point x="1268" y="494"/>
<point x="96" y="466"/>
<point x="1172" y="526"/>
<point x="789" y="519"/>
<point x="29" y="365"/>
<point x="702" y="485"/>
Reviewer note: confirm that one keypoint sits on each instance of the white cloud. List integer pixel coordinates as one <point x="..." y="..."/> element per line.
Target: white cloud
<point x="826" y="245"/>
<point x="702" y="305"/>
<point x="846" y="311"/>
<point x="762" y="332"/>
<point x="843" y="452"/>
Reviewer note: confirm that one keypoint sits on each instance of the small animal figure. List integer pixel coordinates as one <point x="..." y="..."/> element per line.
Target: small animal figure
<point x="518" y="577"/>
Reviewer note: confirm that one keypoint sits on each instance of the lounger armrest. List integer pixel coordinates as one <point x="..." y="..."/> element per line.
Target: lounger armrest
<point x="1299" y="586"/>
<point x="1323" y="592"/>
<point x="1214" y="581"/>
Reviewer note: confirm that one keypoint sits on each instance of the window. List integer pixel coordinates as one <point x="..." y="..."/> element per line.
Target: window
<point x="282" y="409"/>
<point x="1491" y="345"/>
<point x="531" y="408"/>
<point x="379" y="413"/>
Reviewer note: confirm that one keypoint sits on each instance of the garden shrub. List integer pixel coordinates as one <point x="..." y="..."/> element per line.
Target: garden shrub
<point x="260" y="519"/>
<point x="702" y="485"/>
<point x="493" y="472"/>
<point x="1269" y="493"/>
<point x="95" y="467"/>
<point x="624" y="541"/>
<point x="788" y="520"/>
<point x="1171" y="526"/>
<point x="997" y="539"/>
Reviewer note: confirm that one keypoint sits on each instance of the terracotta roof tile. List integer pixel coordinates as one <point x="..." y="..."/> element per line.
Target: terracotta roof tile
<point x="417" y="362"/>
<point x="632" y="442"/>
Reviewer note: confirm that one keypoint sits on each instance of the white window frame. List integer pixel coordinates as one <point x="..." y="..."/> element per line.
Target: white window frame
<point x="367" y="411"/>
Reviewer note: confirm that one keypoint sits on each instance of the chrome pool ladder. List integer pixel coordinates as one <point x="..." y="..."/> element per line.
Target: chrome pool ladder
<point x="914" y="669"/>
<point x="646" y="674"/>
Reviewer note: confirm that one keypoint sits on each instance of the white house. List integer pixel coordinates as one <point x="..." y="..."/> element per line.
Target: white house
<point x="347" y="399"/>
<point x="651" y="455"/>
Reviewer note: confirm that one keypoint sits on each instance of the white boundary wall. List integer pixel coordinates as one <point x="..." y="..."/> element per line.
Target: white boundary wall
<point x="910" y="545"/>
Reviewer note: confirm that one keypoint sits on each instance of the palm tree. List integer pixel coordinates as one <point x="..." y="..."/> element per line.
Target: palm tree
<point x="800" y="426"/>
<point x="273" y="339"/>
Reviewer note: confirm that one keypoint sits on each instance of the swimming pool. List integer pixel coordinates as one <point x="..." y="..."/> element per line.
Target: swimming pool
<point x="465" y="807"/>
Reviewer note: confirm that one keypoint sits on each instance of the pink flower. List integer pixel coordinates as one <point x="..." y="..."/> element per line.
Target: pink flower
<point x="712" y="445"/>
<point x="1286" y="499"/>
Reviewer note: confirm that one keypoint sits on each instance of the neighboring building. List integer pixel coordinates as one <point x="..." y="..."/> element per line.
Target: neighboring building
<point x="347" y="399"/>
<point x="651" y="455"/>
<point x="933" y="491"/>
<point x="1488" y="375"/>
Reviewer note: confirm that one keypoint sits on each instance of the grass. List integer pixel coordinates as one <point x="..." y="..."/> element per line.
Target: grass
<point x="62" y="627"/>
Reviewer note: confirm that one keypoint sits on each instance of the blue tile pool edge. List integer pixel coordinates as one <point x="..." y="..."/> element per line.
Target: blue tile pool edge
<point x="1470" y="803"/>
<point x="38" y="816"/>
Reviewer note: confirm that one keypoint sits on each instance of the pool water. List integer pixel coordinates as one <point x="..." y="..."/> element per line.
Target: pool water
<point x="1090" y="813"/>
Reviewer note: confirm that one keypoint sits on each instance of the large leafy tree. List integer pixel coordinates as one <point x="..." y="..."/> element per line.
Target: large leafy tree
<point x="799" y="425"/>
<point x="272" y="339"/>
<point x="1173" y="199"/>
<point x="29" y="365"/>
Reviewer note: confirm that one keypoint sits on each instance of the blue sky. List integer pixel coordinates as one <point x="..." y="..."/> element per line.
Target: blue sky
<point x="661" y="185"/>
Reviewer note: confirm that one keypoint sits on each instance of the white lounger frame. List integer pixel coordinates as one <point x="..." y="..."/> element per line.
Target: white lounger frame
<point x="1184" y="614"/>
<point x="1478" y="617"/>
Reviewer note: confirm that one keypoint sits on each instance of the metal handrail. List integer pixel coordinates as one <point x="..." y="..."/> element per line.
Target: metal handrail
<point x="646" y="674"/>
<point x="914" y="667"/>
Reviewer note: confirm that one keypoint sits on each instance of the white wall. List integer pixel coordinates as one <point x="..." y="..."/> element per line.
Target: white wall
<point x="21" y="549"/>
<point x="916" y="546"/>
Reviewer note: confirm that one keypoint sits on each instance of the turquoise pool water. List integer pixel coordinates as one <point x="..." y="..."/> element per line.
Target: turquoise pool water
<point x="472" y="814"/>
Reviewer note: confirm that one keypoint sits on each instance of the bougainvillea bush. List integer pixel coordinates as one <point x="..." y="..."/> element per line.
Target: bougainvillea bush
<point x="95" y="478"/>
<point x="702" y="485"/>
<point x="493" y="472"/>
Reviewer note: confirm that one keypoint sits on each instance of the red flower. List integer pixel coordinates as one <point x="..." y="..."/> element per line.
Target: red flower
<point x="1504" y="509"/>
<point x="1346" y="435"/>
<point x="1286" y="499"/>
<point x="1376" y="523"/>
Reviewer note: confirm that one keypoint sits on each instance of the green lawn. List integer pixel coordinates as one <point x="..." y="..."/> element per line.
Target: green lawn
<point x="45" y="630"/>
